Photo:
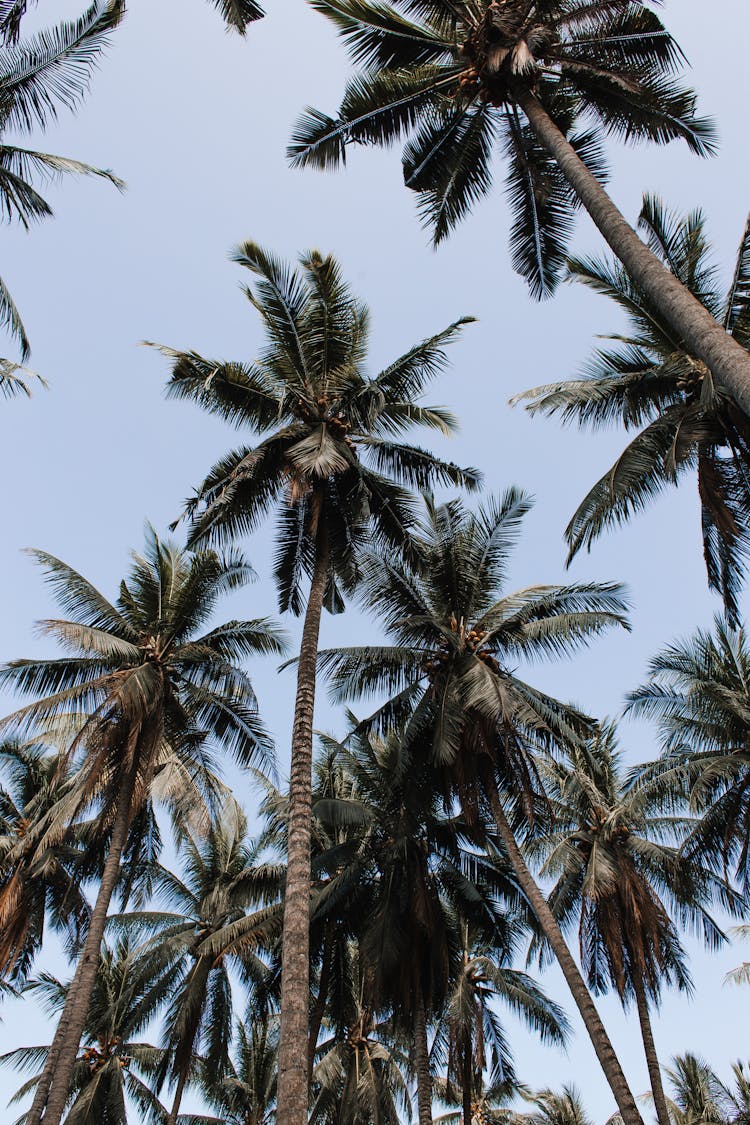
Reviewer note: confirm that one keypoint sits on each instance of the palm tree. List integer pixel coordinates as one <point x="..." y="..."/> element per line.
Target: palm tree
<point x="620" y="877"/>
<point x="38" y="76"/>
<point x="246" y="1095"/>
<point x="149" y="686"/>
<point x="698" y="693"/>
<point x="553" y="1108"/>
<point x="221" y="885"/>
<point x="699" y="1097"/>
<point x="650" y="382"/>
<point x="360" y="1075"/>
<point x="130" y="987"/>
<point x="332" y="466"/>
<point x="464" y="78"/>
<point x="36" y="883"/>
<point x="237" y="14"/>
<point x="470" y="1034"/>
<point x="457" y="643"/>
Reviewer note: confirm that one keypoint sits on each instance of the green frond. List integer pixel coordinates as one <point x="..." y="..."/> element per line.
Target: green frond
<point x="54" y="67"/>
<point x="238" y="14"/>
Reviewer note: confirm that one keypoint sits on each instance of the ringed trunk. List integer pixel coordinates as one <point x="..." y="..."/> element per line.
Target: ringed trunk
<point x="292" y="1099"/>
<point x="600" y="1040"/>
<point x="422" y="1061"/>
<point x="703" y="335"/>
<point x="649" y="1047"/>
<point x="54" y="1084"/>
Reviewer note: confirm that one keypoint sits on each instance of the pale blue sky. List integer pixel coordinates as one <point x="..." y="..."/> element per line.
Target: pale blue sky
<point x="196" y="121"/>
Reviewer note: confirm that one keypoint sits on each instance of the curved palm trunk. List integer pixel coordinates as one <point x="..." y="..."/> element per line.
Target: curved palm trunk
<point x="703" y="335"/>
<point x="652" y="1059"/>
<point x="422" y="1061"/>
<point x="54" y="1083"/>
<point x="600" y="1040"/>
<point x="295" y="954"/>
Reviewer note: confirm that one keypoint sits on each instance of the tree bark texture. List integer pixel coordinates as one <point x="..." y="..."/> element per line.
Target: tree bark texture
<point x="422" y="1060"/>
<point x="652" y="1059"/>
<point x="600" y="1040"/>
<point x="292" y="1099"/>
<point x="728" y="362"/>
<point x="54" y="1084"/>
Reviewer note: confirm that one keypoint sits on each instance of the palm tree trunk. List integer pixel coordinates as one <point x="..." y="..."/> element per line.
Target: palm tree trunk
<point x="54" y="1083"/>
<point x="422" y="1061"/>
<point x="319" y="1007"/>
<point x="466" y="1091"/>
<point x="295" y="954"/>
<point x="600" y="1040"/>
<point x="652" y="1059"/>
<point x="703" y="335"/>
<point x="177" y="1100"/>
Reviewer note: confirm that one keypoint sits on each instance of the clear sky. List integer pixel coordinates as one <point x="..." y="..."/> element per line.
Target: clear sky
<point x="196" y="121"/>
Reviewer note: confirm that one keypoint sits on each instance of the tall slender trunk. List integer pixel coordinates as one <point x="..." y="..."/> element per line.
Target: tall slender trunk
<point x="703" y="335"/>
<point x="600" y="1040"/>
<point x="184" y="1053"/>
<point x="292" y="1097"/>
<point x="54" y="1083"/>
<point x="649" y="1047"/>
<point x="319" y="1007"/>
<point x="466" y="1089"/>
<point x="422" y="1060"/>
<point x="177" y="1100"/>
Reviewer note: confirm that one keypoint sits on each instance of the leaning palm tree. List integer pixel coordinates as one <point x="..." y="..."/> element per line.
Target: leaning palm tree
<point x="149" y="685"/>
<point x="114" y="1063"/>
<point x="463" y="79"/>
<point x="649" y="381"/>
<point x="698" y="693"/>
<point x="37" y="77"/>
<point x="621" y="879"/>
<point x="452" y="667"/>
<point x="36" y="885"/>
<point x="331" y="464"/>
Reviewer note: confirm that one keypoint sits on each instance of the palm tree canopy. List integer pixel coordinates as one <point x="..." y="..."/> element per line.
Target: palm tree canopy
<point x="247" y="1094"/>
<point x="34" y="885"/>
<point x="201" y="927"/>
<point x="648" y="381"/>
<point x="619" y="873"/>
<point x="238" y="14"/>
<point x="38" y="77"/>
<point x="448" y="74"/>
<point x="114" y="1063"/>
<point x="698" y="695"/>
<point x="330" y="459"/>
<point x="458" y="639"/>
<point x="145" y="685"/>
